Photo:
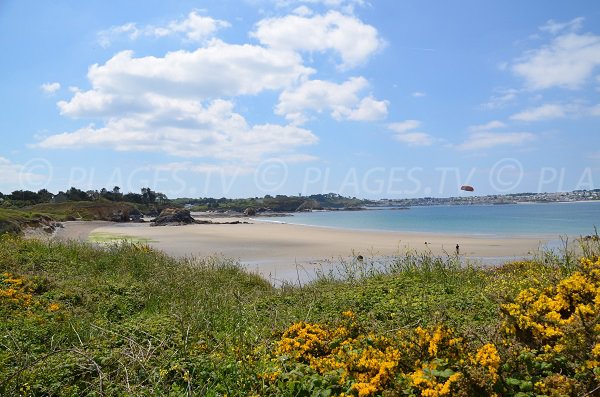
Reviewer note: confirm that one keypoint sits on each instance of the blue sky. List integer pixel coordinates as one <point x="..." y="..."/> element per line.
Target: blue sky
<point x="378" y="99"/>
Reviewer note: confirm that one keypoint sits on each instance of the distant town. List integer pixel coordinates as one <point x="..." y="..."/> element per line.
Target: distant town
<point x="576" y="195"/>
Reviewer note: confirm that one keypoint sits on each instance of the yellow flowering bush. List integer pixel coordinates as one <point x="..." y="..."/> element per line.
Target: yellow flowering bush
<point x="15" y="290"/>
<point x="366" y="364"/>
<point x="303" y="341"/>
<point x="422" y="361"/>
<point x="549" y="344"/>
<point x="555" y="332"/>
<point x="487" y="357"/>
<point x="429" y="385"/>
<point x="19" y="295"/>
<point x="546" y="318"/>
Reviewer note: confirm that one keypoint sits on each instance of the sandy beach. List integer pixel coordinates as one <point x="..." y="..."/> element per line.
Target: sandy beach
<point x="281" y="251"/>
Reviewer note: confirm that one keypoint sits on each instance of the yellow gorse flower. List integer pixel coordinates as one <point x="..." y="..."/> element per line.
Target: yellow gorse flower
<point x="15" y="290"/>
<point x="547" y="315"/>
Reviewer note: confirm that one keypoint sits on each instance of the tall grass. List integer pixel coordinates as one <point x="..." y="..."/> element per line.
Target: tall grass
<point x="130" y="320"/>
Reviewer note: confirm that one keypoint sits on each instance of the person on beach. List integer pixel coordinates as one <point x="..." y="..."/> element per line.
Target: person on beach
<point x="457" y="249"/>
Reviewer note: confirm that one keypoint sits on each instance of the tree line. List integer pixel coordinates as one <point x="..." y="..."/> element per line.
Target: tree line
<point x="21" y="198"/>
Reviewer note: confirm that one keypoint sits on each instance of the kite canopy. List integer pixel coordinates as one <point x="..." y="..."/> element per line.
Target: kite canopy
<point x="467" y="188"/>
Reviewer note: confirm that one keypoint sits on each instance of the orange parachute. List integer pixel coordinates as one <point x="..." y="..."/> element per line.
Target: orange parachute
<point x="467" y="188"/>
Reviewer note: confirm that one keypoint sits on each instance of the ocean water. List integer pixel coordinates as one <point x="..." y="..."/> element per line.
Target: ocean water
<point x="544" y="219"/>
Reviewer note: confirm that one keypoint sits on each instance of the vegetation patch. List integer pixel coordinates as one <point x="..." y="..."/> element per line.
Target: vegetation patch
<point x="112" y="238"/>
<point x="127" y="320"/>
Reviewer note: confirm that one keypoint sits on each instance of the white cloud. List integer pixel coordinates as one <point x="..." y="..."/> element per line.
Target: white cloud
<point x="418" y="94"/>
<point x="404" y="133"/>
<point x="484" y="136"/>
<point x="404" y="126"/>
<point x="182" y="103"/>
<point x="156" y="104"/>
<point x="194" y="27"/>
<point x="107" y="36"/>
<point x="188" y="166"/>
<point x="50" y="88"/>
<point x="303" y="11"/>
<point x="501" y="98"/>
<point x="486" y="140"/>
<point x="340" y="100"/>
<point x="367" y="110"/>
<point x="415" y="138"/>
<point x="555" y="111"/>
<point x="124" y="82"/>
<point x="18" y="176"/>
<point x="187" y="129"/>
<point x="492" y="125"/>
<point x="346" y="35"/>
<point x="544" y="112"/>
<point x="344" y="5"/>
<point x="554" y="27"/>
<point x="567" y="61"/>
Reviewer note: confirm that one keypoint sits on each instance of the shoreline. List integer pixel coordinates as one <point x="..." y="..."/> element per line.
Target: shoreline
<point x="541" y="236"/>
<point x="284" y="251"/>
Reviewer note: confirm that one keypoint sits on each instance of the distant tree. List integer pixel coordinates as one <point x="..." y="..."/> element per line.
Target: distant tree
<point x="25" y="196"/>
<point x="117" y="195"/>
<point x="44" y="196"/>
<point x="133" y="198"/>
<point x="161" y="198"/>
<point x="74" y="194"/>
<point x="148" y="196"/>
<point x="93" y="194"/>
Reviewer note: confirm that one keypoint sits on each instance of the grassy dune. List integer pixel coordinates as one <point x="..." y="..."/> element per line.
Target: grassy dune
<point x="15" y="220"/>
<point x="85" y="210"/>
<point x="127" y="320"/>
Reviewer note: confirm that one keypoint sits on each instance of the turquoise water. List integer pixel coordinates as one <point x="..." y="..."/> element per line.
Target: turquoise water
<point x="548" y="219"/>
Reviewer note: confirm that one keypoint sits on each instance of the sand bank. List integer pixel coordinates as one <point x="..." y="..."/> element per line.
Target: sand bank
<point x="281" y="251"/>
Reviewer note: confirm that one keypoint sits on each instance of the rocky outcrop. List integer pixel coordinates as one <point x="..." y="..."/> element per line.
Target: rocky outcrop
<point x="173" y="216"/>
<point x="309" y="205"/>
<point x="136" y="215"/>
<point x="121" y="215"/>
<point x="249" y="211"/>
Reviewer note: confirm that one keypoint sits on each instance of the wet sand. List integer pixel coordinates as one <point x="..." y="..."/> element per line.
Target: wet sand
<point x="282" y="251"/>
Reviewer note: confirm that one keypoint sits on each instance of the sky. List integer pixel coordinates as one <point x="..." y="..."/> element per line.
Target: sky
<point x="371" y="99"/>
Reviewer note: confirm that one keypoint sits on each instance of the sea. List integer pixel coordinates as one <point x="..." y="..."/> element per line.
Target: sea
<point x="552" y="220"/>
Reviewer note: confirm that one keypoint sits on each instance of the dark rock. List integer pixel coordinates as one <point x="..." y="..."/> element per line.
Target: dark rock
<point x="173" y="216"/>
<point x="135" y="215"/>
<point x="250" y="211"/>
<point x="120" y="216"/>
<point x="152" y="212"/>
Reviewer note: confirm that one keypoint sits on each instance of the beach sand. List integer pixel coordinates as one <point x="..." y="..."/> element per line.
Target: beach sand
<point x="285" y="251"/>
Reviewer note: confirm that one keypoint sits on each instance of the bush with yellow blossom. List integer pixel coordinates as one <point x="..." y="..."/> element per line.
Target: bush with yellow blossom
<point x="348" y="360"/>
<point x="555" y="334"/>
<point x="548" y="344"/>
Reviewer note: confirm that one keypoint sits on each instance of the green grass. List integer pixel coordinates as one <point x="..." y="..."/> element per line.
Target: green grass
<point x="128" y="320"/>
<point x="112" y="238"/>
<point x="85" y="210"/>
<point x="13" y="221"/>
